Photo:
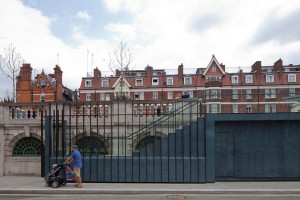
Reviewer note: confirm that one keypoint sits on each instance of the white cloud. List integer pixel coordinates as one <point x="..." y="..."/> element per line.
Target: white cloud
<point x="29" y="31"/>
<point x="191" y="31"/>
<point x="159" y="33"/>
<point x="84" y="16"/>
<point x="113" y="5"/>
<point x="123" y="32"/>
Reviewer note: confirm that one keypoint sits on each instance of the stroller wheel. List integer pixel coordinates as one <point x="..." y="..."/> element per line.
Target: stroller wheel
<point x="64" y="183"/>
<point x="55" y="184"/>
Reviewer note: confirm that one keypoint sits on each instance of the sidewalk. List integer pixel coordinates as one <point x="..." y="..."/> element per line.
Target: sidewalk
<point x="36" y="185"/>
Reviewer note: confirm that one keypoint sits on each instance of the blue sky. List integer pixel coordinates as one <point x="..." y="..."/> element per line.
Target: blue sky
<point x="160" y="33"/>
<point x="90" y="17"/>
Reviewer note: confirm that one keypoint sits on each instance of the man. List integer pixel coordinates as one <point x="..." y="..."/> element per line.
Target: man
<point x="75" y="157"/>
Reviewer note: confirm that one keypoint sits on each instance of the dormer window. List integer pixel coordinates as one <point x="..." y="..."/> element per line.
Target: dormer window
<point x="105" y="83"/>
<point x="187" y="81"/>
<point x="88" y="83"/>
<point x="138" y="82"/>
<point x="170" y="81"/>
<point x="269" y="78"/>
<point x="155" y="81"/>
<point x="292" y="78"/>
<point x="235" y="79"/>
<point x="248" y="79"/>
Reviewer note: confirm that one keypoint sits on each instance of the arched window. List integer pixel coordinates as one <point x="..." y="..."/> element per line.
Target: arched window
<point x="28" y="146"/>
<point x="91" y="145"/>
<point x="147" y="140"/>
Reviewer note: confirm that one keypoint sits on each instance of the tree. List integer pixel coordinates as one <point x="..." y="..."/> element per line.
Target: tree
<point x="10" y="64"/>
<point x="120" y="59"/>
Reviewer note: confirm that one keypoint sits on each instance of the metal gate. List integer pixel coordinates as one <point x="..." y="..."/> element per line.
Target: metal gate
<point x="130" y="141"/>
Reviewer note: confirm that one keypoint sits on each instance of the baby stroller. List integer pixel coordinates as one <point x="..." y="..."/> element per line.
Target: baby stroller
<point x="57" y="176"/>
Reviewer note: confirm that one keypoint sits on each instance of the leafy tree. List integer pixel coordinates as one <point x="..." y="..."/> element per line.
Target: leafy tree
<point x="10" y="64"/>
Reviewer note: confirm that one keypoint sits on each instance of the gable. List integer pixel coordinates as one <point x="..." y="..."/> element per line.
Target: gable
<point x="214" y="68"/>
<point x="125" y="83"/>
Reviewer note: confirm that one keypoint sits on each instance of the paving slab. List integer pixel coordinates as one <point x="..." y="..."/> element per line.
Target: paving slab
<point x="36" y="185"/>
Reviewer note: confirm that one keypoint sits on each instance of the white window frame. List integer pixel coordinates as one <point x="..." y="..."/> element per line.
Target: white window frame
<point x="155" y="95"/>
<point x="235" y="108"/>
<point x="291" y="78"/>
<point x="235" y="94"/>
<point x="169" y="81"/>
<point x="155" y="82"/>
<point x="270" y="108"/>
<point x="170" y="107"/>
<point x="105" y="83"/>
<point x="273" y="108"/>
<point x="170" y="94"/>
<point x="88" y="83"/>
<point x="139" y="82"/>
<point x="270" y="93"/>
<point x="107" y="97"/>
<point x="214" y="108"/>
<point x="248" y="94"/>
<point x="249" y="109"/>
<point x="214" y="94"/>
<point x="234" y="79"/>
<point x="187" y="80"/>
<point x="136" y="94"/>
<point x="214" y="68"/>
<point x="142" y="96"/>
<point x="292" y="92"/>
<point x="269" y="78"/>
<point x="191" y="94"/>
<point x="88" y="97"/>
<point x="248" y="79"/>
<point x="43" y="97"/>
<point x="102" y="96"/>
<point x="267" y="108"/>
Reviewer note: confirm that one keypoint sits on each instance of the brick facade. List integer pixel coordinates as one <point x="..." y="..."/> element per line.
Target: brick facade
<point x="44" y="87"/>
<point x="261" y="89"/>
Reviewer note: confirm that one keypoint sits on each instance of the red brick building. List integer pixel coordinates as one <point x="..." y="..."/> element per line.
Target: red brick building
<point x="43" y="88"/>
<point x="261" y="89"/>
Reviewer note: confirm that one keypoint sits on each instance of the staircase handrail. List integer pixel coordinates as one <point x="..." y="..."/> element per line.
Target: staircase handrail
<point x="166" y="117"/>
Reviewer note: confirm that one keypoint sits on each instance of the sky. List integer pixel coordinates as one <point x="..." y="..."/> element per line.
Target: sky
<point x="79" y="35"/>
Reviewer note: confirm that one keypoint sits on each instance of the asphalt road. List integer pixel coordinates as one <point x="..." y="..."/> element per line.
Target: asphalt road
<point x="152" y="197"/>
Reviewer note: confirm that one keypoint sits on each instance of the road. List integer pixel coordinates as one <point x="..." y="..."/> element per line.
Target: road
<point x="150" y="197"/>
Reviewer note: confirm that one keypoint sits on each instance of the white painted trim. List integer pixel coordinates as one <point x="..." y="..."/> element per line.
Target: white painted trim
<point x="118" y="80"/>
<point x="218" y="65"/>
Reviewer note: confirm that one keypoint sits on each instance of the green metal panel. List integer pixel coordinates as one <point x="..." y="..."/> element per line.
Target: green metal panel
<point x="265" y="147"/>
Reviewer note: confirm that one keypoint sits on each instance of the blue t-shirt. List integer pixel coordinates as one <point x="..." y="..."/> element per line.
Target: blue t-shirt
<point x="76" y="158"/>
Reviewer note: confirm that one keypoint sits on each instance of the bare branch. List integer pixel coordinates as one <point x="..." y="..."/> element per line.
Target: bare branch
<point x="120" y="59"/>
<point x="10" y="64"/>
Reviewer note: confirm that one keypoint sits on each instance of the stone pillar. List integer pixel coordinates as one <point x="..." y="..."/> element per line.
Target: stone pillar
<point x="2" y="140"/>
<point x="2" y="153"/>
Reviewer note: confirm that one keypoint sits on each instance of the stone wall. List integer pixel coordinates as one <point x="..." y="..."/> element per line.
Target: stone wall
<point x="28" y="166"/>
